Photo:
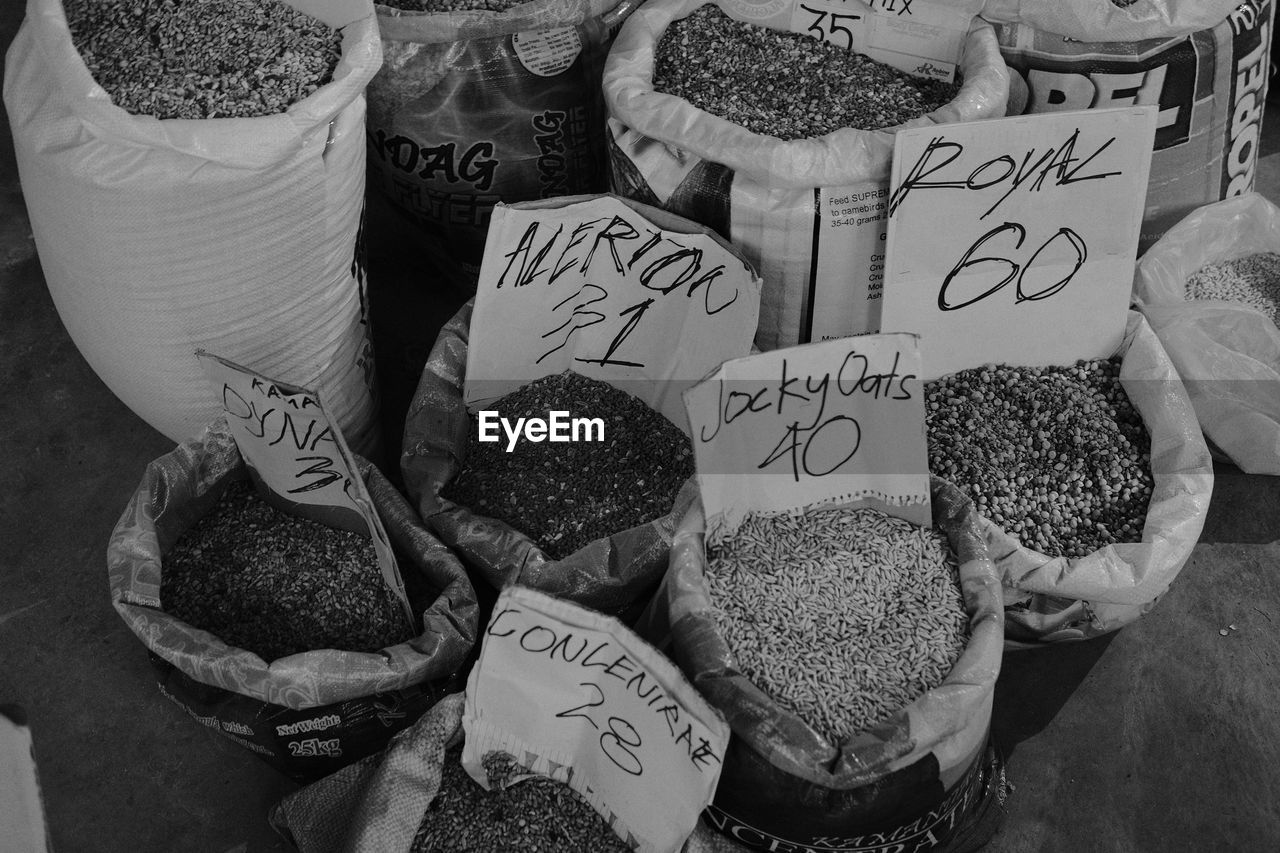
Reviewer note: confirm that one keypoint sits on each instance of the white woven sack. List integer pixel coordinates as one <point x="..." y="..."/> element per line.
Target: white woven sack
<point x="236" y="235"/>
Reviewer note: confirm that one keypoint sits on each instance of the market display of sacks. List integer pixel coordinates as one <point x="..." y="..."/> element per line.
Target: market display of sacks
<point x="1204" y="63"/>
<point x="238" y="235"/>
<point x="807" y="211"/>
<point x="614" y="573"/>
<point x="1218" y="336"/>
<point x="478" y="103"/>
<point x="305" y="713"/>
<point x="926" y="777"/>
<point x="1070" y="453"/>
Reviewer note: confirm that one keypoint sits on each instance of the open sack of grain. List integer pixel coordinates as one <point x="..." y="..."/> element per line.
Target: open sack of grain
<point x="586" y="521"/>
<point x="781" y="142"/>
<point x="184" y="196"/>
<point x="1210" y="288"/>
<point x="854" y="655"/>
<point x="481" y="101"/>
<point x="1204" y="63"/>
<point x="1093" y="480"/>
<point x="277" y="631"/>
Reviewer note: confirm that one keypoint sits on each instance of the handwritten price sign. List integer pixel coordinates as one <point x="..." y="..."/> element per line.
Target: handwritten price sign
<point x="838" y="422"/>
<point x="295" y="450"/>
<point x="1014" y="240"/>
<point x="614" y="290"/>
<point x="575" y="696"/>
<point x="921" y="37"/>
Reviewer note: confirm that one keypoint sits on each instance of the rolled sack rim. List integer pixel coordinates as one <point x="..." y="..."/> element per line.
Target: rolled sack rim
<point x="842" y="157"/>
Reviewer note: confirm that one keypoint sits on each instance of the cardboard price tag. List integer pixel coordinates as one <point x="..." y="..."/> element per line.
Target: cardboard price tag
<point x="296" y="454"/>
<point x="920" y="37"/>
<point x="837" y="423"/>
<point x="1014" y="240"/>
<point x="574" y="695"/>
<point x="611" y="289"/>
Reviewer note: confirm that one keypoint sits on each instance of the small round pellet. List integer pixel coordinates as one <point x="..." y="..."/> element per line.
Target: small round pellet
<point x="842" y="616"/>
<point x="784" y="84"/>
<point x="537" y="815"/>
<point x="564" y="495"/>
<point x="201" y="59"/>
<point x="274" y="584"/>
<point x="1056" y="456"/>
<point x="1253" y="280"/>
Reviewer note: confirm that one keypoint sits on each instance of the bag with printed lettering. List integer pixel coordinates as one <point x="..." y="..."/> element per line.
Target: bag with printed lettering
<point x="807" y="213"/>
<point x="307" y="713"/>
<point x="1204" y="63"/>
<point x="475" y="107"/>
<point x="1227" y="354"/>
<point x="926" y="778"/>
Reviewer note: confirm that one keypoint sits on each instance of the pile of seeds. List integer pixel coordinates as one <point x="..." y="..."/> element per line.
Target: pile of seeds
<point x="1253" y="280"/>
<point x="438" y="6"/>
<point x="843" y="616"/>
<point x="198" y="59"/>
<point x="1056" y="456"/>
<point x="785" y="84"/>
<point x="538" y="815"/>
<point x="277" y="585"/>
<point x="563" y="495"/>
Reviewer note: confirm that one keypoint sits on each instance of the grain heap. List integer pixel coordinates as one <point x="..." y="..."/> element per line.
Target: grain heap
<point x="785" y="84"/>
<point x="1253" y="280"/>
<point x="439" y="6"/>
<point x="564" y="495"/>
<point x="199" y="59"/>
<point x="842" y="616"/>
<point x="276" y="585"/>
<point x="1057" y="456"/>
<point x="537" y="815"/>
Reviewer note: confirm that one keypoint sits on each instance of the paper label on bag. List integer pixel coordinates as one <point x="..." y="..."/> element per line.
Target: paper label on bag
<point x="611" y="290"/>
<point x="547" y="53"/>
<point x="296" y="454"/>
<point x="574" y="695"/>
<point x="920" y="37"/>
<point x="848" y="264"/>
<point x="837" y="423"/>
<point x="1013" y="240"/>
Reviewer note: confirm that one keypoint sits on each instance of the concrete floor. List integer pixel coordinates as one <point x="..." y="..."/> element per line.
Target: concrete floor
<point x="1162" y="737"/>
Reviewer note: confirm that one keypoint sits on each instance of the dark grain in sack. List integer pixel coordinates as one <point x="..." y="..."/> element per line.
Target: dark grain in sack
<point x="784" y="84"/>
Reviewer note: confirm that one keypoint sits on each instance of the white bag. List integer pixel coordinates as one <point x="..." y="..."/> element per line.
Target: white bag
<point x="807" y="213"/>
<point x="238" y="236"/>
<point x="1227" y="354"/>
<point x="1049" y="599"/>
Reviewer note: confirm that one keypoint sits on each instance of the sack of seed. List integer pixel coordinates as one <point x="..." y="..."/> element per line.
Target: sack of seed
<point x="1093" y="480"/>
<point x="416" y="798"/>
<point x="586" y="521"/>
<point x="482" y="101"/>
<point x="1210" y="288"/>
<point x="277" y="631"/>
<point x="1204" y="63"/>
<point x="183" y="196"/>
<point x="854" y="656"/>
<point x="710" y="118"/>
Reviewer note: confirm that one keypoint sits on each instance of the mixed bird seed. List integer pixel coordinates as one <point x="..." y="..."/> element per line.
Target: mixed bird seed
<point x="1253" y="280"/>
<point x="438" y="6"/>
<point x="1056" y="456"/>
<point x="262" y="580"/>
<point x="564" y="495"/>
<point x="784" y="84"/>
<point x="537" y="815"/>
<point x="842" y="616"/>
<point x="198" y="59"/>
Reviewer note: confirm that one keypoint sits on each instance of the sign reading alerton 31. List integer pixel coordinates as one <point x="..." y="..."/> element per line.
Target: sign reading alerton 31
<point x="1014" y="240"/>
